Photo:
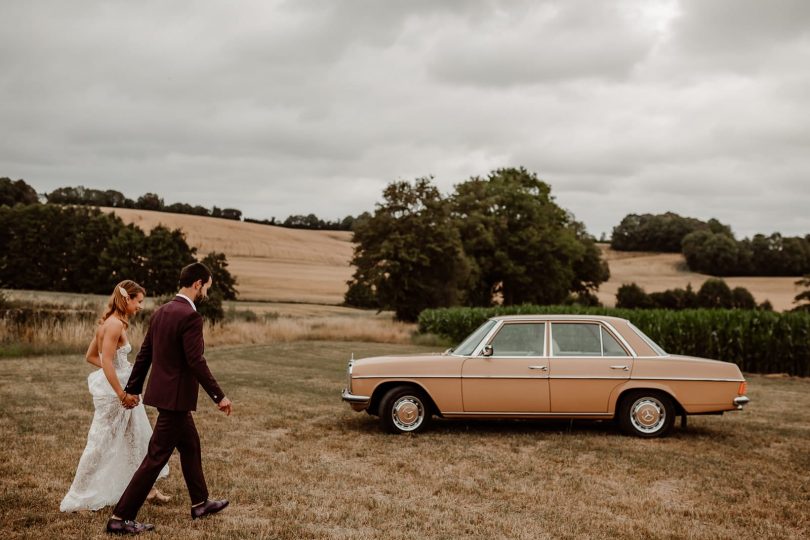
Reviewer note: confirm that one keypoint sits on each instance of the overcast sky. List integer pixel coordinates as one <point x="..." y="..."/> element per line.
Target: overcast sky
<point x="700" y="107"/>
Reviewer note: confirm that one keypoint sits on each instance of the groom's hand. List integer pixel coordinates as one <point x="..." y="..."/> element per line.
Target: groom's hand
<point x="130" y="401"/>
<point x="225" y="406"/>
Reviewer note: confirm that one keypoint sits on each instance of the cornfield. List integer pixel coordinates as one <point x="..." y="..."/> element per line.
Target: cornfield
<point x="757" y="341"/>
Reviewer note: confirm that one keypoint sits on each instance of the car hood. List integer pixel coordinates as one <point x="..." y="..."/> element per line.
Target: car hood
<point x="405" y="365"/>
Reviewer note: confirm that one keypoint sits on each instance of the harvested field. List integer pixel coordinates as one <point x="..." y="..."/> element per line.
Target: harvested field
<point x="297" y="463"/>
<point x="271" y="263"/>
<point x="660" y="271"/>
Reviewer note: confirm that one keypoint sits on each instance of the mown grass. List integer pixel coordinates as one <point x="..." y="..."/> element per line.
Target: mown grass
<point x="297" y="463"/>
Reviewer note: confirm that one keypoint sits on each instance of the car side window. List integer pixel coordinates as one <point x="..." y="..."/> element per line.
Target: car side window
<point x="520" y="339"/>
<point x="611" y="347"/>
<point x="576" y="339"/>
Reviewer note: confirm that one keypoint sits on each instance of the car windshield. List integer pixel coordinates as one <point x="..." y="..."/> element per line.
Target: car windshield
<point x="466" y="347"/>
<point x="657" y="348"/>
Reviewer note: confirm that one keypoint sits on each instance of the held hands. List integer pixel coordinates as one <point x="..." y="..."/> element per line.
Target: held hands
<point x="130" y="401"/>
<point x="225" y="406"/>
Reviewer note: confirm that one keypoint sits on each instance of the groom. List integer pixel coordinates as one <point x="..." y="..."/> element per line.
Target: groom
<point x="173" y="346"/>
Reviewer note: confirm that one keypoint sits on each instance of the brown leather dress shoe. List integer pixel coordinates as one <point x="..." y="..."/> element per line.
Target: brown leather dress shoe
<point x="127" y="526"/>
<point x="207" y="508"/>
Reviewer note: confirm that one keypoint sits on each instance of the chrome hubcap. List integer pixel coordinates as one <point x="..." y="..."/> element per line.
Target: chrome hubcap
<point x="648" y="414"/>
<point x="408" y="413"/>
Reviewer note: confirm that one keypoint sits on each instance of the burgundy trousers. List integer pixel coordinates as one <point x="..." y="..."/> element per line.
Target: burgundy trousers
<point x="173" y="429"/>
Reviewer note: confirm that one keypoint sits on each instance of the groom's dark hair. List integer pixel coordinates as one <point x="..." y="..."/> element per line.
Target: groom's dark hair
<point x="193" y="272"/>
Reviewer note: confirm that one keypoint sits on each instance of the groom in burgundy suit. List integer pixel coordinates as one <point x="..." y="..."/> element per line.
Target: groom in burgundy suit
<point x="173" y="347"/>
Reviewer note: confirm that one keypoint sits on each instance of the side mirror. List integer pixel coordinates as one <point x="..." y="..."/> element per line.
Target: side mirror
<point x="448" y="351"/>
<point x="488" y="350"/>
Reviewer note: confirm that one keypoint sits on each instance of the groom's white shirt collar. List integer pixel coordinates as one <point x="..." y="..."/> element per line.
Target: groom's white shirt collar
<point x="188" y="300"/>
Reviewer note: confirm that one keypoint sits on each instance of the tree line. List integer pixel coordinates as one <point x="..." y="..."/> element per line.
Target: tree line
<point x="84" y="250"/>
<point x="19" y="192"/>
<point x="713" y="294"/>
<point x="711" y="248"/>
<point x="499" y="239"/>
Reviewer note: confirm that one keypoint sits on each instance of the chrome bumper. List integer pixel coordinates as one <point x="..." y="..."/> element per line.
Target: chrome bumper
<point x="353" y="399"/>
<point x="741" y="401"/>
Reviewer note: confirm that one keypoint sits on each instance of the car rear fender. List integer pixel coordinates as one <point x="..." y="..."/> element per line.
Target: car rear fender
<point x="661" y="386"/>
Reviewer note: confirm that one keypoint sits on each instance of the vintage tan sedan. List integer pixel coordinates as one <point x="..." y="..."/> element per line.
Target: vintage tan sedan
<point x="546" y="366"/>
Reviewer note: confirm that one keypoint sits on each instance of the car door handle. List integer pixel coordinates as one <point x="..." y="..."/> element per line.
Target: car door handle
<point x="541" y="368"/>
<point x="623" y="368"/>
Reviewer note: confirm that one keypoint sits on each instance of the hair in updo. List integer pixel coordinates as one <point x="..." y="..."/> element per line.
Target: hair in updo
<point x="118" y="300"/>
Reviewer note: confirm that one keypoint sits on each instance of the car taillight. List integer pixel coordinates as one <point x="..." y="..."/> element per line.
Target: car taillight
<point x="743" y="388"/>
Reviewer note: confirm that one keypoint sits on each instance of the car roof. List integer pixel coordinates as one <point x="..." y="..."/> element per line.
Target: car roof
<point x="557" y="317"/>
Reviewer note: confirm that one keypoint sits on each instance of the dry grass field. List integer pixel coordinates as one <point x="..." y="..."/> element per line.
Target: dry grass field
<point x="660" y="271"/>
<point x="297" y="463"/>
<point x="271" y="263"/>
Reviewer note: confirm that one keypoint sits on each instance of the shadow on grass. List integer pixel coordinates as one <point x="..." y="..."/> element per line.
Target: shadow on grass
<point x="367" y="424"/>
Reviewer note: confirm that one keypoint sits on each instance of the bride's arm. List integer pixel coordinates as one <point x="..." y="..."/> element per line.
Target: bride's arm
<point x="108" y="344"/>
<point x="92" y="353"/>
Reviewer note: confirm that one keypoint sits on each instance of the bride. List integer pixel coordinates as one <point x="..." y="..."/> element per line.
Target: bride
<point x="120" y="432"/>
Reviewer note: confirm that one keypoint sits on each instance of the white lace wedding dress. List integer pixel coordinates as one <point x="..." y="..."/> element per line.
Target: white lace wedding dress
<point x="116" y="444"/>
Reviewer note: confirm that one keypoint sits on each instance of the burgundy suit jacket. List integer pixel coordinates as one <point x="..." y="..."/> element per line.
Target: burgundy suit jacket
<point x="173" y="347"/>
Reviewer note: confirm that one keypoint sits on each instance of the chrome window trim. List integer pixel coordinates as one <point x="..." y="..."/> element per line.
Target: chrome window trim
<point x="529" y="321"/>
<point x="477" y="350"/>
<point x="616" y="334"/>
<point x="648" y="340"/>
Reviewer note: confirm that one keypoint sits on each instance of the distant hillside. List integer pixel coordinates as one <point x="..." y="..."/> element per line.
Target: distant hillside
<point x="660" y="271"/>
<point x="293" y="265"/>
<point x="271" y="263"/>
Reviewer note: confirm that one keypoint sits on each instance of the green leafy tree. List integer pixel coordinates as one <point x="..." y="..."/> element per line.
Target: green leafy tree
<point x="661" y="232"/>
<point x="741" y="298"/>
<point x="522" y="245"/>
<point x="631" y="296"/>
<point x="16" y="192"/>
<point x="224" y="281"/>
<point x="149" y="201"/>
<point x="409" y="252"/>
<point x="165" y="252"/>
<point x="803" y="298"/>
<point x="715" y="293"/>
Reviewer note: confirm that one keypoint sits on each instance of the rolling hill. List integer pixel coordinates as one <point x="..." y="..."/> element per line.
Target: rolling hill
<point x="293" y="265"/>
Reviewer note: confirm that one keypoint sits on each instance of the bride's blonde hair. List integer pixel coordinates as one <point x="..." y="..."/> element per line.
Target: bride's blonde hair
<point x="118" y="300"/>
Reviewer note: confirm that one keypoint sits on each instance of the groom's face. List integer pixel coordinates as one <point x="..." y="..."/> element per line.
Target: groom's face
<point x="202" y="292"/>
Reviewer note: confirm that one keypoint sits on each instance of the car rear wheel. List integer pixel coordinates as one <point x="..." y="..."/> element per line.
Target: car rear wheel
<point x="646" y="413"/>
<point x="404" y="409"/>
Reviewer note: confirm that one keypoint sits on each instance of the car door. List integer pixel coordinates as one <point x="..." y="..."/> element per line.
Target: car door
<point x="587" y="363"/>
<point x="514" y="379"/>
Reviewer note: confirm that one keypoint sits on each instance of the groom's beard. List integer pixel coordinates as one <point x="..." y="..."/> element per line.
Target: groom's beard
<point x="200" y="297"/>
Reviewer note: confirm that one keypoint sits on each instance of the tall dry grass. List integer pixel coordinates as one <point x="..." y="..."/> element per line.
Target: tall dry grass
<point x="73" y="336"/>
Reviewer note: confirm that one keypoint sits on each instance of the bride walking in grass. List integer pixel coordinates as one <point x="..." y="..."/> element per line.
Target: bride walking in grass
<point x="120" y="432"/>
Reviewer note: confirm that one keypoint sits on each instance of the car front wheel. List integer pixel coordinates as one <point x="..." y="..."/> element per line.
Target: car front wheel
<point x="647" y="414"/>
<point x="404" y="409"/>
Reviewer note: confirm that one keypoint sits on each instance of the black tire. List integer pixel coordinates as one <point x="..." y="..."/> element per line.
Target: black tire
<point x="646" y="413"/>
<point x="405" y="409"/>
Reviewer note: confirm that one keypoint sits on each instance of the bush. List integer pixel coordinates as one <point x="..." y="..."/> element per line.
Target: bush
<point x="757" y="341"/>
<point x="631" y="296"/>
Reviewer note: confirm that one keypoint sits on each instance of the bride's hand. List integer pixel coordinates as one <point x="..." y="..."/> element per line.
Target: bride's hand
<point x="130" y="401"/>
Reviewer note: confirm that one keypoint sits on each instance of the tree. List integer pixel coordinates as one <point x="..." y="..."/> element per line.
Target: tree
<point x="661" y="232"/>
<point x="16" y="192"/>
<point x="409" y="252"/>
<point x="803" y="298"/>
<point x="741" y="298"/>
<point x="224" y="282"/>
<point x="165" y="253"/>
<point x="631" y="296"/>
<point x="149" y="201"/>
<point x="714" y="293"/>
<point x="522" y="245"/>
